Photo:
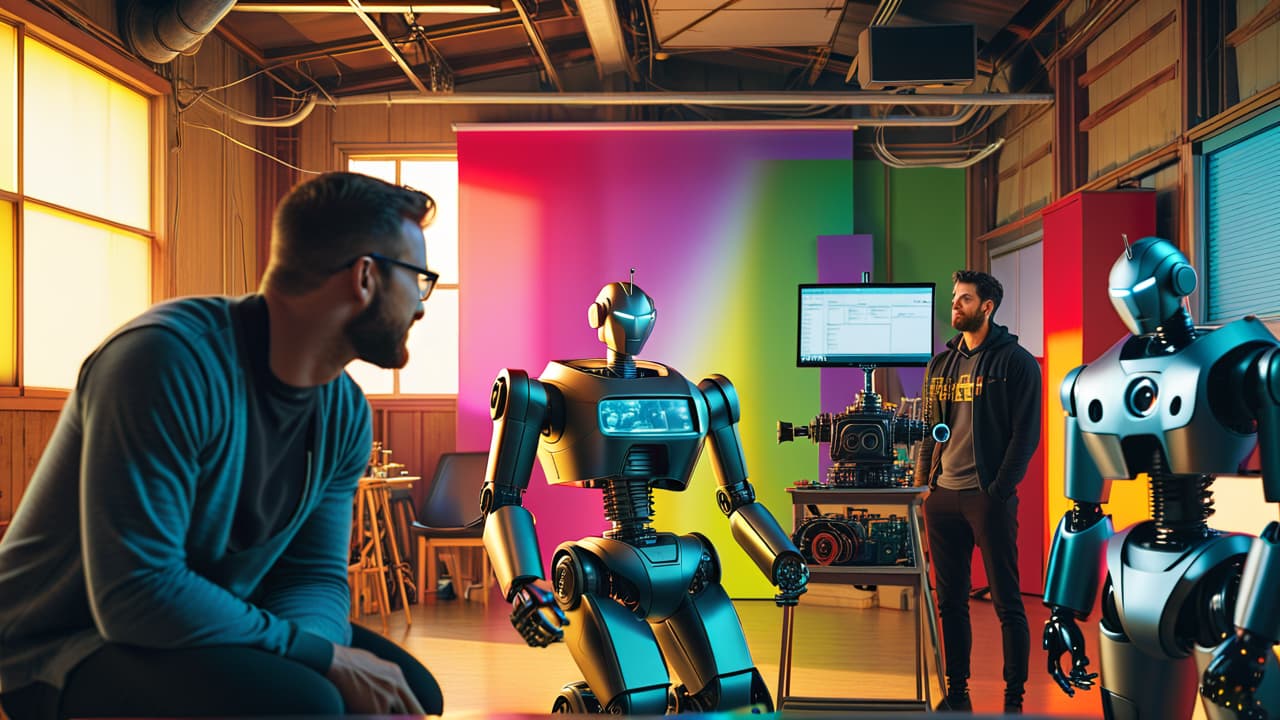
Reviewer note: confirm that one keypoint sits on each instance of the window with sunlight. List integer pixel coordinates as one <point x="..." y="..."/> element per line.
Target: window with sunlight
<point x="78" y="236"/>
<point x="433" y="340"/>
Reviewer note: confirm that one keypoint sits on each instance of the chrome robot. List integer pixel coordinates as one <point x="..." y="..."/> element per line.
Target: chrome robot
<point x="636" y="600"/>
<point x="1182" y="604"/>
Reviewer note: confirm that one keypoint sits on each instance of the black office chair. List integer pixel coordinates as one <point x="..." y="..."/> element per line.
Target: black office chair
<point x="451" y="520"/>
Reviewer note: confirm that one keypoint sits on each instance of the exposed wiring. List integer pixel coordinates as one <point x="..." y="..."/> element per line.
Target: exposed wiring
<point x="249" y="147"/>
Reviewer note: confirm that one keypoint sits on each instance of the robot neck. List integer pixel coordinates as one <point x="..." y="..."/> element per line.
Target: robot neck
<point x="628" y="506"/>
<point x="1177" y="332"/>
<point x="1180" y="505"/>
<point x="622" y="364"/>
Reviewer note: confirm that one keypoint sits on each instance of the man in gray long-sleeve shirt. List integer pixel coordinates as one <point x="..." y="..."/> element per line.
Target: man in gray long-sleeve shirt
<point x="182" y="547"/>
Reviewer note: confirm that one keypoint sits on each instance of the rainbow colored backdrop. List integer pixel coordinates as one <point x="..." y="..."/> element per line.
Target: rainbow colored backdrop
<point x="720" y="226"/>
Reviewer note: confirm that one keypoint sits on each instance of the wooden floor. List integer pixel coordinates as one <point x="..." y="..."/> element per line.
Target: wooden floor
<point x="485" y="669"/>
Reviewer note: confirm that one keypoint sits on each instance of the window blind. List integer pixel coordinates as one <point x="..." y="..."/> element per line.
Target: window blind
<point x="1242" y="228"/>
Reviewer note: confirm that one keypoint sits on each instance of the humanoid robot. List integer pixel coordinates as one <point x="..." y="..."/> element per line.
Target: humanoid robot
<point x="1182" y="603"/>
<point x="631" y="602"/>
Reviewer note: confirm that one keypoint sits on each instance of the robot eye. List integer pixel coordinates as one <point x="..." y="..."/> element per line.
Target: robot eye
<point x="1141" y="397"/>
<point x="624" y="316"/>
<point x="1144" y="284"/>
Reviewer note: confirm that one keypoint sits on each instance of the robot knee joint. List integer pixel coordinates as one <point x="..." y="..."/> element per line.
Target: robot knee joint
<point x="575" y="574"/>
<point x="708" y="571"/>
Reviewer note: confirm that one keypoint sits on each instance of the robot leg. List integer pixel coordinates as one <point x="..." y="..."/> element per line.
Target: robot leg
<point x="704" y="643"/>
<point x="1268" y="692"/>
<point x="1136" y="685"/>
<point x="615" y="649"/>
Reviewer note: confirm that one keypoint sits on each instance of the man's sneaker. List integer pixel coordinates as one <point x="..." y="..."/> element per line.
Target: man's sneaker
<point x="1013" y="701"/>
<point x="955" y="702"/>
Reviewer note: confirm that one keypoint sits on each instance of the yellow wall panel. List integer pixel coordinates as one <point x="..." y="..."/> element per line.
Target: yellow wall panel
<point x="8" y="108"/>
<point x="8" y="297"/>
<point x="86" y="140"/>
<point x="102" y="273"/>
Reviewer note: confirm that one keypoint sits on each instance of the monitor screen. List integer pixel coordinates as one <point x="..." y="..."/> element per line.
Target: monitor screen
<point x="854" y="325"/>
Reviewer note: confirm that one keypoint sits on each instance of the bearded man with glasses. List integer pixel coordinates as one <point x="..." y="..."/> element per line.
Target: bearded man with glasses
<point x="182" y="547"/>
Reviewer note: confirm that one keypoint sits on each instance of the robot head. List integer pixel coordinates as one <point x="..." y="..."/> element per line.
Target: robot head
<point x="1148" y="282"/>
<point x="624" y="315"/>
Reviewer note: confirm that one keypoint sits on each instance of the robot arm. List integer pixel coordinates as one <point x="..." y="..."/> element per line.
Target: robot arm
<point x="1235" y="674"/>
<point x="1076" y="558"/>
<point x="1266" y="381"/>
<point x="753" y="526"/>
<point x="519" y="408"/>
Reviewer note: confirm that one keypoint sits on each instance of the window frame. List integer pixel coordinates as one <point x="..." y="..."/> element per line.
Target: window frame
<point x="1254" y="124"/>
<point x="346" y="152"/>
<point x="30" y="21"/>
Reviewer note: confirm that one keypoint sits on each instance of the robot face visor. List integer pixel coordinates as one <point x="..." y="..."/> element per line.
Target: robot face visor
<point x="1138" y="306"/>
<point x="632" y="329"/>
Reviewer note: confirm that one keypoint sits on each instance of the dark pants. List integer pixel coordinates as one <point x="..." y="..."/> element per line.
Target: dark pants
<point x="955" y="520"/>
<point x="128" y="681"/>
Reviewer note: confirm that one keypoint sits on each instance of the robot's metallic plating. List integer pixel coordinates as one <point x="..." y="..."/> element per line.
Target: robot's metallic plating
<point x="631" y="602"/>
<point x="1182" y="604"/>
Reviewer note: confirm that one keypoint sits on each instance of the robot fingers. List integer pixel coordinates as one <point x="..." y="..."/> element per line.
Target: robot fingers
<point x="536" y="616"/>
<point x="541" y="626"/>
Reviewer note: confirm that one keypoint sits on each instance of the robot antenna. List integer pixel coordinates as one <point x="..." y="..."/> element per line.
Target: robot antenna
<point x="633" y="282"/>
<point x="1128" y="251"/>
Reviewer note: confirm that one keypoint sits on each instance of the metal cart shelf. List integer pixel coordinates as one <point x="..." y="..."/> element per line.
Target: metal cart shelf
<point x="915" y="577"/>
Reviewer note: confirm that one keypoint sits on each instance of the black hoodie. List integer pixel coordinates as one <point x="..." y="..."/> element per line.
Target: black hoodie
<point x="1006" y="411"/>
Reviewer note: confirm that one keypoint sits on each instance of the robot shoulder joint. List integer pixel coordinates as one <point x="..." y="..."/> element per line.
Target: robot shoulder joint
<point x="1068" y="390"/>
<point x="722" y="400"/>
<point x="515" y="394"/>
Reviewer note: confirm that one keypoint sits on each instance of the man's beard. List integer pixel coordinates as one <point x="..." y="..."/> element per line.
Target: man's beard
<point x="968" y="323"/>
<point x="377" y="337"/>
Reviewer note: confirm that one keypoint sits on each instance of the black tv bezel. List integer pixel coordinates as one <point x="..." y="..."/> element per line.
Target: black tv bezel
<point x="870" y="360"/>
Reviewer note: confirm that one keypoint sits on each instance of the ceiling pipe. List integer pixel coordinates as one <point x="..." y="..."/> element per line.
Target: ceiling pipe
<point x="160" y="31"/>
<point x="959" y="117"/>
<point x="707" y="99"/>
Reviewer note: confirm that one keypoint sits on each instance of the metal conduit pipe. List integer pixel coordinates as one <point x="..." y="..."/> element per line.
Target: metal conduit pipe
<point x="289" y="120"/>
<point x="159" y="31"/>
<point x="707" y="99"/>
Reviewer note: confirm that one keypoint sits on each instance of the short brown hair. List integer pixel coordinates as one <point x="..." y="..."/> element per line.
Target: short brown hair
<point x="332" y="218"/>
<point x="988" y="287"/>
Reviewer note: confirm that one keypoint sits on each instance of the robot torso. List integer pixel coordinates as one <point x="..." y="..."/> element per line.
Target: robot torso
<point x="1131" y="401"/>
<point x="603" y="427"/>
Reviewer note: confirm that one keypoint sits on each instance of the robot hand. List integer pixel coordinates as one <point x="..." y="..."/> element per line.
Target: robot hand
<point x="791" y="576"/>
<point x="1062" y="635"/>
<point x="536" y="616"/>
<point x="1235" y="674"/>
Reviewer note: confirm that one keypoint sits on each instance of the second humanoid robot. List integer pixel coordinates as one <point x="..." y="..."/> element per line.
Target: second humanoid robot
<point x="634" y="601"/>
<point x="1183" y="604"/>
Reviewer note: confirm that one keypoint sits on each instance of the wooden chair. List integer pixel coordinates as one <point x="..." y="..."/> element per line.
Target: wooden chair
<point x="451" y="521"/>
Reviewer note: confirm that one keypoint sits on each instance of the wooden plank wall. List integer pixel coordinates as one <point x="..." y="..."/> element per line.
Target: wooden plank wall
<point x="1024" y="182"/>
<point x="1258" y="56"/>
<point x="23" y="435"/>
<point x="1134" y="99"/>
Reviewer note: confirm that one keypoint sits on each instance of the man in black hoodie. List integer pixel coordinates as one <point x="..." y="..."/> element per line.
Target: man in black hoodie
<point x="986" y="389"/>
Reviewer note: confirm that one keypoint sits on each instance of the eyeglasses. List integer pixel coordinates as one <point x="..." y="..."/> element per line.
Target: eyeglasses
<point x="426" y="278"/>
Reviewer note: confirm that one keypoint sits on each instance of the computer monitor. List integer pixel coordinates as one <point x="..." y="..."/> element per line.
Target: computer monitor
<point x="865" y="324"/>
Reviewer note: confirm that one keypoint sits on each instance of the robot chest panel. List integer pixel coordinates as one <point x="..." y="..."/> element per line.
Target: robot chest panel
<point x="1127" y="406"/>
<point x="648" y="428"/>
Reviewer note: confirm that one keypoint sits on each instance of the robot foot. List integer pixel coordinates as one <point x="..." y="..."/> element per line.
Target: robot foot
<point x="576" y="699"/>
<point x="709" y="700"/>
